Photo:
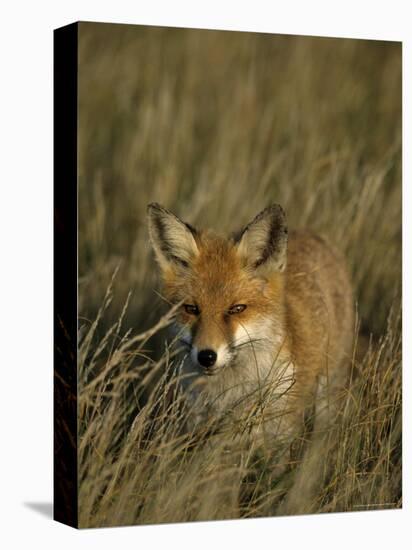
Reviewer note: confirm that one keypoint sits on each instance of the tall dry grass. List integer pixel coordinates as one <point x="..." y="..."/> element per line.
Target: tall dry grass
<point x="215" y="126"/>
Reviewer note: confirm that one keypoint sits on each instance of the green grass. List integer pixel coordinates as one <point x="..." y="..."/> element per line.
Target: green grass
<point x="215" y="126"/>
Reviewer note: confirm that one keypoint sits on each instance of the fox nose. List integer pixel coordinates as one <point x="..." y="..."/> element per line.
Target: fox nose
<point x="207" y="357"/>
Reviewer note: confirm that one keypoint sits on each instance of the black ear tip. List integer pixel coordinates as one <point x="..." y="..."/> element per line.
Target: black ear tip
<point x="276" y="208"/>
<point x="154" y="206"/>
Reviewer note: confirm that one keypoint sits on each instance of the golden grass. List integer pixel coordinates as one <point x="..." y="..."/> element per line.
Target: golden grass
<point x="215" y="126"/>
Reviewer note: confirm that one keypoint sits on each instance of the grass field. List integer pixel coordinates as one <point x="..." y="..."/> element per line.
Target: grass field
<point x="215" y="126"/>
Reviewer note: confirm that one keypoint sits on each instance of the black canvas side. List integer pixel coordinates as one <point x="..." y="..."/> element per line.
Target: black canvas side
<point x="65" y="275"/>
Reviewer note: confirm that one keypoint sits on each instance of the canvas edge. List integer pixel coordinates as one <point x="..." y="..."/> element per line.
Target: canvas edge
<point x="65" y="114"/>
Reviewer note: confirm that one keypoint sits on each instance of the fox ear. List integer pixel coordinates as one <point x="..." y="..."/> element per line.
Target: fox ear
<point x="262" y="244"/>
<point x="172" y="239"/>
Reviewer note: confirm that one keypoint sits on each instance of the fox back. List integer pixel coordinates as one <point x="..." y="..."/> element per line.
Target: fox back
<point x="262" y="314"/>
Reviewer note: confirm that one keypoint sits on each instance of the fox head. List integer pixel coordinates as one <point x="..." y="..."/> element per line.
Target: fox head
<point x="231" y="289"/>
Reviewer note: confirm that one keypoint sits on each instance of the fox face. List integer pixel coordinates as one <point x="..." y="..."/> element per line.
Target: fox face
<point x="230" y="288"/>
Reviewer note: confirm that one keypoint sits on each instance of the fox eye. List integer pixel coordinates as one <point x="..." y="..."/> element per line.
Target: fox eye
<point x="191" y="309"/>
<point x="238" y="308"/>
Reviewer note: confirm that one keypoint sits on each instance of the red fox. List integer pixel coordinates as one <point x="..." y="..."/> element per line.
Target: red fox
<point x="263" y="314"/>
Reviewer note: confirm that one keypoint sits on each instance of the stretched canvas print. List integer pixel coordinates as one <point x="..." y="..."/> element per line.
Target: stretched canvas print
<point x="227" y="275"/>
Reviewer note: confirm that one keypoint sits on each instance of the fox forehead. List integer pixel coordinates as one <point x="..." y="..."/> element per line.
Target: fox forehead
<point x="216" y="277"/>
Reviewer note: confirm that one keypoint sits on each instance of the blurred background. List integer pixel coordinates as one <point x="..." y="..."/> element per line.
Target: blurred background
<point x="215" y="126"/>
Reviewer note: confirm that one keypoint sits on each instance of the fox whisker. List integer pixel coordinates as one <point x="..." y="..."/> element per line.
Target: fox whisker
<point x="249" y="342"/>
